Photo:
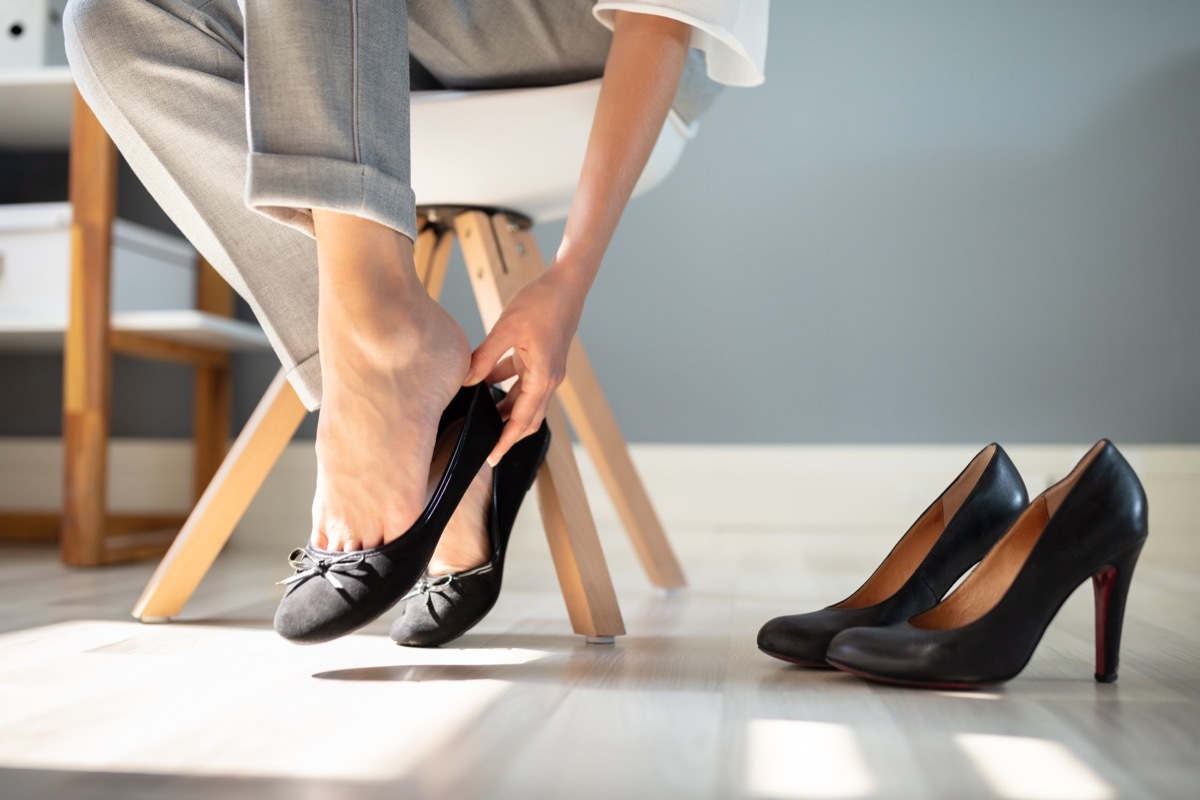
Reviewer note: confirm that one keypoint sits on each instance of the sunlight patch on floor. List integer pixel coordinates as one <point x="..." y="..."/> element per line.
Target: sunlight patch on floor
<point x="799" y="759"/>
<point x="968" y="694"/>
<point x="170" y="699"/>
<point x="1022" y="767"/>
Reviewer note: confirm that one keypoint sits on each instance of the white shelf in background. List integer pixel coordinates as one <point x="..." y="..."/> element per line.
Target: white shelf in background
<point x="183" y="326"/>
<point x="35" y="108"/>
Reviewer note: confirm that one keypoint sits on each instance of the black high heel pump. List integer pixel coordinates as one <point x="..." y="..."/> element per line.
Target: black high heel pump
<point x="945" y="541"/>
<point x="1092" y="523"/>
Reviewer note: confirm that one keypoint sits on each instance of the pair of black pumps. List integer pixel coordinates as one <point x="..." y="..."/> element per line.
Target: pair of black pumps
<point x="897" y="628"/>
<point x="331" y="593"/>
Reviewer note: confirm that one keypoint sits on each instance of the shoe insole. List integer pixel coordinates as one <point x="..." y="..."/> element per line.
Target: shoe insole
<point x="914" y="546"/>
<point x="991" y="580"/>
<point x="443" y="449"/>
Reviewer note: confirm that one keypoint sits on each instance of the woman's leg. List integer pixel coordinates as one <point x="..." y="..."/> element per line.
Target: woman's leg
<point x="322" y="96"/>
<point x="391" y="359"/>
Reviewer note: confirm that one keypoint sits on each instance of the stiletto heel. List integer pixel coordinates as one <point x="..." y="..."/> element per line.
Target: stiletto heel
<point x="1092" y="523"/>
<point x="1111" y="587"/>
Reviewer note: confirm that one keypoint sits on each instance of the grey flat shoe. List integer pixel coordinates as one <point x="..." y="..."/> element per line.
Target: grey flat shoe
<point x="441" y="608"/>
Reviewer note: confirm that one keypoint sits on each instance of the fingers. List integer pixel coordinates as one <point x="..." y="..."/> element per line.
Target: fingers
<point x="505" y="406"/>
<point x="490" y="351"/>
<point x="529" y="343"/>
<point x="526" y="407"/>
<point x="523" y="411"/>
<point x="507" y="368"/>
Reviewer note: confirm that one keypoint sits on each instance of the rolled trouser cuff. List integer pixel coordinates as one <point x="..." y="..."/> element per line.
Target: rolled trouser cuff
<point x="286" y="188"/>
<point x="305" y="378"/>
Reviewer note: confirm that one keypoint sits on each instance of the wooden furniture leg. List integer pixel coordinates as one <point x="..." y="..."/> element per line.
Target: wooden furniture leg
<point x="90" y="534"/>
<point x="594" y="423"/>
<point x="597" y="428"/>
<point x="574" y="544"/>
<point x="214" y="386"/>
<point x="87" y="363"/>
<point x="432" y="254"/>
<point x="227" y="497"/>
<point x="571" y="530"/>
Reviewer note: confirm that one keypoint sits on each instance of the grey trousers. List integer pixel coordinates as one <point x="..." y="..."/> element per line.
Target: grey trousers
<point x="240" y="116"/>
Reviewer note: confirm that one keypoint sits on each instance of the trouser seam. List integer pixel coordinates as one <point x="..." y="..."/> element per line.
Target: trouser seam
<point x="354" y="67"/>
<point x="191" y="20"/>
<point x="196" y="11"/>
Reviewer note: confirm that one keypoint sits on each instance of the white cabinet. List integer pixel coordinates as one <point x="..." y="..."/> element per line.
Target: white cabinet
<point x="151" y="270"/>
<point x="31" y="34"/>
<point x="154" y="277"/>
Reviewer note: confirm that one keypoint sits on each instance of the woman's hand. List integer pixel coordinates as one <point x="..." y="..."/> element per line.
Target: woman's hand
<point x="537" y="326"/>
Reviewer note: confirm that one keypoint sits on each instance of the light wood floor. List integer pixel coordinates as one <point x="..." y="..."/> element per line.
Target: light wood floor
<point x="93" y="704"/>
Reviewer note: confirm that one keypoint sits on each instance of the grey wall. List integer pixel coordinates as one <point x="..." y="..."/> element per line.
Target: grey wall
<point x="937" y="222"/>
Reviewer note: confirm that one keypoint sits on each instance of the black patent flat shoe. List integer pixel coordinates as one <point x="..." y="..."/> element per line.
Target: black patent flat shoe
<point x="441" y="608"/>
<point x="1091" y="524"/>
<point x="945" y="541"/>
<point x="334" y="593"/>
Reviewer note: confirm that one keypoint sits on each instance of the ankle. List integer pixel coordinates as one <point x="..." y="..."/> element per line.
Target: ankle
<point x="386" y="330"/>
<point x="366" y="271"/>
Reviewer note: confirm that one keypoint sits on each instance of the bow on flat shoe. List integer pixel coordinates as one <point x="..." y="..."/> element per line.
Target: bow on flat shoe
<point x="333" y="593"/>
<point x="310" y="565"/>
<point x="441" y="583"/>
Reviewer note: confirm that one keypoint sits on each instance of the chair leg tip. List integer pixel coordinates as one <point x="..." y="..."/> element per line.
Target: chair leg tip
<point x="154" y="620"/>
<point x="601" y="640"/>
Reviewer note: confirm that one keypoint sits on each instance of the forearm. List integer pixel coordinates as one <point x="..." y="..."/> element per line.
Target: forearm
<point x="538" y="324"/>
<point x="640" y="79"/>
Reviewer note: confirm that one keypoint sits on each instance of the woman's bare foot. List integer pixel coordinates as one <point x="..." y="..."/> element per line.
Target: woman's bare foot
<point x="465" y="543"/>
<point x="391" y="359"/>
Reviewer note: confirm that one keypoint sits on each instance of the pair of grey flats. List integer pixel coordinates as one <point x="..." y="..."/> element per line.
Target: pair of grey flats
<point x="331" y="594"/>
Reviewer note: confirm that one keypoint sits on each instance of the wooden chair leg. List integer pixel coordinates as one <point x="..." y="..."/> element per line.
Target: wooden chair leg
<point x="574" y="544"/>
<point x="211" y="522"/>
<point x="87" y="364"/>
<point x="593" y="421"/>
<point x="432" y="254"/>
<point x="571" y="530"/>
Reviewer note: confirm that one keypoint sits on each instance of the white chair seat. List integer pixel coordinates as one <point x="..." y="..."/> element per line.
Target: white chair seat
<point x="516" y="149"/>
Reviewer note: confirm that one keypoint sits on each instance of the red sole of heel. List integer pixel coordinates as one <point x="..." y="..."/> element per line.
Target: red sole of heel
<point x="1102" y="584"/>
<point x="956" y="687"/>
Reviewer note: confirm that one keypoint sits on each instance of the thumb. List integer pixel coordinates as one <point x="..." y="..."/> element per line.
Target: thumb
<point x="486" y="356"/>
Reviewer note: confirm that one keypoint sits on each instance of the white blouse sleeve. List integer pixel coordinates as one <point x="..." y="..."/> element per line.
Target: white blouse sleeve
<point x="732" y="33"/>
